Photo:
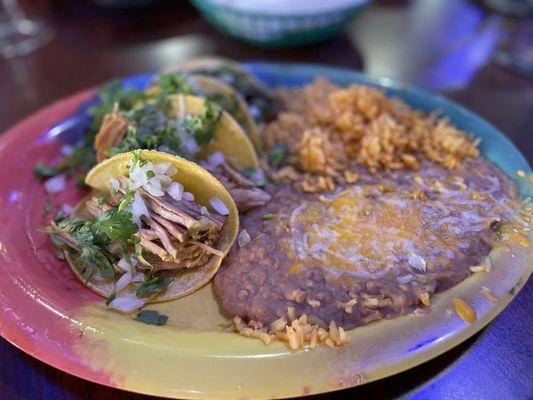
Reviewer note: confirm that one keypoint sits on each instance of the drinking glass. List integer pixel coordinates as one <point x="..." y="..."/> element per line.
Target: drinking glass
<point x="20" y="35"/>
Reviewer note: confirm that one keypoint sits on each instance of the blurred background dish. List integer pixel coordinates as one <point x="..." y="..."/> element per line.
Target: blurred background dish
<point x="278" y="23"/>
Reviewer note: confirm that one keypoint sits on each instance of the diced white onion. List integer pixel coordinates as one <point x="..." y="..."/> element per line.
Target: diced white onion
<point x="216" y="159"/>
<point x="171" y="171"/>
<point x="219" y="206"/>
<point x="55" y="184"/>
<point x="161" y="168"/>
<point x="67" y="209"/>
<point x="138" y="208"/>
<point x="153" y="190"/>
<point x="126" y="303"/>
<point x="203" y="210"/>
<point x="404" y="279"/>
<point x="244" y="238"/>
<point x="187" y="196"/>
<point x="258" y="176"/>
<point x="190" y="144"/>
<point x="126" y="264"/>
<point x="123" y="281"/>
<point x="66" y="150"/>
<point x="152" y="177"/>
<point x="175" y="190"/>
<point x="139" y="277"/>
<point x="114" y="184"/>
<point x="416" y="261"/>
<point x="138" y="177"/>
<point x="254" y="111"/>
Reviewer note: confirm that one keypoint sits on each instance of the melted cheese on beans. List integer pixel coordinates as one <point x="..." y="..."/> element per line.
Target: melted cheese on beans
<point x="370" y="230"/>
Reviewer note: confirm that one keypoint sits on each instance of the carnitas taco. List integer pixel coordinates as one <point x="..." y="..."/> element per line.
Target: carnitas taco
<point x="262" y="103"/>
<point x="156" y="227"/>
<point x="214" y="90"/>
<point x="194" y="128"/>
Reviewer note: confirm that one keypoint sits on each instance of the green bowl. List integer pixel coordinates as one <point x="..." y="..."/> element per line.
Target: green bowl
<point x="278" y="30"/>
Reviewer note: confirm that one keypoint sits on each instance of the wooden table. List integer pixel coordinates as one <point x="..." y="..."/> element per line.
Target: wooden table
<point x="446" y="47"/>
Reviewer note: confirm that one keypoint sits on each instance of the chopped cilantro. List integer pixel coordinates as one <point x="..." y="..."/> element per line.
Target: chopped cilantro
<point x="137" y="159"/>
<point x="202" y="127"/>
<point x="277" y="155"/>
<point x="173" y="83"/>
<point x="151" y="317"/>
<point x="42" y="171"/>
<point x="231" y="105"/>
<point x="154" y="285"/>
<point x="117" y="225"/>
<point x="152" y="130"/>
<point x="268" y="216"/>
<point x="150" y="174"/>
<point x="92" y="257"/>
<point x="264" y="106"/>
<point x="89" y="239"/>
<point x="110" y="94"/>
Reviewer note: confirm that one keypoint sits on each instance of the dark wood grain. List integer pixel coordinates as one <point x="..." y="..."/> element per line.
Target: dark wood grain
<point x="92" y="45"/>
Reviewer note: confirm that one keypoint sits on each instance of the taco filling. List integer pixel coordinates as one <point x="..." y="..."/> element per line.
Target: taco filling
<point x="167" y="127"/>
<point x="263" y="105"/>
<point x="213" y="90"/>
<point x="130" y="243"/>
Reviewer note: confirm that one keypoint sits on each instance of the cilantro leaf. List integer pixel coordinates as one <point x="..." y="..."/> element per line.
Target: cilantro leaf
<point x="231" y="105"/>
<point x="173" y="83"/>
<point x="88" y="239"/>
<point x="152" y="129"/>
<point x="264" y="106"/>
<point x="154" y="285"/>
<point x="202" y="127"/>
<point x="42" y="171"/>
<point x="93" y="258"/>
<point x="110" y="94"/>
<point x="117" y="225"/>
<point x="151" y="317"/>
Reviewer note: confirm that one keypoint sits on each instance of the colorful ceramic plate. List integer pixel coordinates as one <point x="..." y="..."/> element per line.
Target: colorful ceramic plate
<point x="49" y="314"/>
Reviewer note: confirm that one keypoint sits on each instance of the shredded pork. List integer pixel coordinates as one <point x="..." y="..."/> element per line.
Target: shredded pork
<point x="175" y="234"/>
<point x="243" y="191"/>
<point x="114" y="127"/>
